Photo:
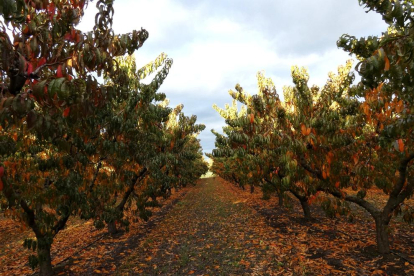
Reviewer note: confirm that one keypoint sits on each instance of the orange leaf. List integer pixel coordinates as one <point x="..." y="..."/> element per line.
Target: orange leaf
<point x="15" y="137"/>
<point x="366" y="109"/>
<point x="324" y="175"/>
<point x="329" y="157"/>
<point x="400" y="145"/>
<point x="66" y="112"/>
<point x="337" y="184"/>
<point x="191" y="272"/>
<point x="399" y="106"/>
<point x="303" y="129"/>
<point x="355" y="158"/>
<point x="387" y="63"/>
<point x="251" y="118"/>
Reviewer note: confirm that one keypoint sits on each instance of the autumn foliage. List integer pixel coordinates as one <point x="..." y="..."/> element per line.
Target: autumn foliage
<point x="72" y="145"/>
<point x="338" y="141"/>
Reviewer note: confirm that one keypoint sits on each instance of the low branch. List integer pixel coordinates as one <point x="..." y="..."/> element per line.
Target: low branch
<point x="402" y="169"/>
<point x="307" y="167"/>
<point x="60" y="224"/>
<point x="131" y="187"/>
<point x="357" y="200"/>
<point x="95" y="176"/>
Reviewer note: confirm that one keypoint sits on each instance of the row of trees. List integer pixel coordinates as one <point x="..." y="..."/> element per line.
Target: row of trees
<point x="71" y="145"/>
<point x="341" y="139"/>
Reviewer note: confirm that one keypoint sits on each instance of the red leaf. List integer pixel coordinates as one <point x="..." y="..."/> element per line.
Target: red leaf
<point x="66" y="112"/>
<point x="1" y="185"/>
<point x="29" y="68"/>
<point x="1" y="171"/>
<point x="41" y="61"/>
<point x="59" y="71"/>
<point x="68" y="36"/>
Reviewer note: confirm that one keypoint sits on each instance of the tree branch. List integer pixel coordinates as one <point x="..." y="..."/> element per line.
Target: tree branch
<point x="360" y="201"/>
<point x="131" y="187"/>
<point x="95" y="176"/>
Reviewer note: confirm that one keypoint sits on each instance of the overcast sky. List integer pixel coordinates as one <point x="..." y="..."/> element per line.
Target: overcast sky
<point x="216" y="44"/>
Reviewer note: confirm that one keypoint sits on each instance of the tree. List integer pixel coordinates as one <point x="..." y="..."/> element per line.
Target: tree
<point x="131" y="136"/>
<point x="344" y="137"/>
<point x="386" y="146"/>
<point x="51" y="108"/>
<point x="283" y="137"/>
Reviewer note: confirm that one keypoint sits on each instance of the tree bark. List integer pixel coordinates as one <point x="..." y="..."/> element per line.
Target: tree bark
<point x="381" y="217"/>
<point x="120" y="207"/>
<point x="280" y="196"/>
<point x="251" y="189"/>
<point x="112" y="228"/>
<point x="306" y="209"/>
<point x="383" y="242"/>
<point x="45" y="260"/>
<point x="304" y="203"/>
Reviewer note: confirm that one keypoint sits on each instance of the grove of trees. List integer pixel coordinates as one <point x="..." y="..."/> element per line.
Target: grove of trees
<point x="339" y="140"/>
<point x="80" y="134"/>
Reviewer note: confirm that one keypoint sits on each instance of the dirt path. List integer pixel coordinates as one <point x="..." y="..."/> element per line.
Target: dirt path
<point x="215" y="228"/>
<point x="210" y="232"/>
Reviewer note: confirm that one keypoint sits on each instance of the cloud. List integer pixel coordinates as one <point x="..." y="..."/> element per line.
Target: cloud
<point x="216" y="44"/>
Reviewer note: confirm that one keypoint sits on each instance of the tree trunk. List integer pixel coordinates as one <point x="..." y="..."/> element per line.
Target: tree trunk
<point x="280" y="195"/>
<point x="112" y="228"/>
<point x="45" y="260"/>
<point x="306" y="208"/>
<point x="383" y="241"/>
<point x="251" y="189"/>
<point x="120" y="207"/>
<point x="304" y="203"/>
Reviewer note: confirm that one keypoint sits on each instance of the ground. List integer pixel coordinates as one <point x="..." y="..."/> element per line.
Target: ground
<point x="215" y="228"/>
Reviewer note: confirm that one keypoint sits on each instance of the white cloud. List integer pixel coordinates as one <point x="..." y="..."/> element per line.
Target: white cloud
<point x="216" y="44"/>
